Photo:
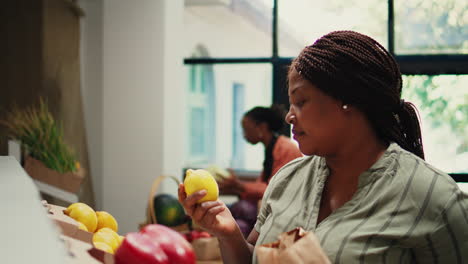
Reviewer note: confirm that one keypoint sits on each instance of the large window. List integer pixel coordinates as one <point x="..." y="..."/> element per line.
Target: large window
<point x="431" y="27"/>
<point x="215" y="112"/>
<point x="442" y="101"/>
<point x="305" y="21"/>
<point x="250" y="43"/>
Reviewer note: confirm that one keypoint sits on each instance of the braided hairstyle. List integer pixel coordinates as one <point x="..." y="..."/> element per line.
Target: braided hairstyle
<point x="357" y="70"/>
<point x="273" y="116"/>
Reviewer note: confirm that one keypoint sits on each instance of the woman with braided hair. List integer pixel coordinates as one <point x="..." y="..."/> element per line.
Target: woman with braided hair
<point x="260" y="125"/>
<point x="364" y="189"/>
<point x="263" y="125"/>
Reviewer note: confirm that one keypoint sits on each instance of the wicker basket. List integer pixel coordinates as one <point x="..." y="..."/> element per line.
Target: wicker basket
<point x="151" y="217"/>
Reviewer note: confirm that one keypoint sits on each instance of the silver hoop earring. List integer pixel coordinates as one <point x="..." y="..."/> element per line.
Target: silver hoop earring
<point x="345" y="107"/>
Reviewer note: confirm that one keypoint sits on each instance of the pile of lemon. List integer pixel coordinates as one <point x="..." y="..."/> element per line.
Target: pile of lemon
<point x="101" y="223"/>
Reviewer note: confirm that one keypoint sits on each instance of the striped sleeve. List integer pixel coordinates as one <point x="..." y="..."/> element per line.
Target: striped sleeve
<point x="263" y="212"/>
<point x="448" y="243"/>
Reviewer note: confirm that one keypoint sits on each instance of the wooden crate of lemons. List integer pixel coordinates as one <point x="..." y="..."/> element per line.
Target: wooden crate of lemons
<point x="101" y="223"/>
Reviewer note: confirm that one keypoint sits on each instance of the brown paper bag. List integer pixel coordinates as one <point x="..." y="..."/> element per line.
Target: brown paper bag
<point x="206" y="248"/>
<point x="295" y="246"/>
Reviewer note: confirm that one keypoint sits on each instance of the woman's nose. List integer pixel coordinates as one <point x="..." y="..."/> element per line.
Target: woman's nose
<point x="290" y="118"/>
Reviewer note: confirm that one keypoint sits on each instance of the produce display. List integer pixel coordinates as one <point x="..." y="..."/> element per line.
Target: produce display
<point x="196" y="180"/>
<point x="155" y="244"/>
<point x="101" y="223"/>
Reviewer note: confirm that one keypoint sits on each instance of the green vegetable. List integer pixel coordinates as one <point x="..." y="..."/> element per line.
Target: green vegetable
<point x="168" y="210"/>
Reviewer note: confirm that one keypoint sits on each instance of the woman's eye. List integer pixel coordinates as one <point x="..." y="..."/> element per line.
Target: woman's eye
<point x="300" y="103"/>
<point x="297" y="102"/>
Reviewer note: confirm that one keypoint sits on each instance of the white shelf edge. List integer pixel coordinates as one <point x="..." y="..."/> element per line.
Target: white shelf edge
<point x="56" y="192"/>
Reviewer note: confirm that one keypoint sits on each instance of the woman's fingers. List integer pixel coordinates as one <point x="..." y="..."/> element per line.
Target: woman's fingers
<point x="190" y="202"/>
<point x="204" y="213"/>
<point x="182" y="194"/>
<point x="212" y="213"/>
<point x="192" y="199"/>
<point x="201" y="210"/>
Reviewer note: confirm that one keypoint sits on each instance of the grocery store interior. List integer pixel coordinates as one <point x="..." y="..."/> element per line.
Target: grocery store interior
<point x="133" y="94"/>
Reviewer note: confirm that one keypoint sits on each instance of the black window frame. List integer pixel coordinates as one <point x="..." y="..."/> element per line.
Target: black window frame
<point x="437" y="64"/>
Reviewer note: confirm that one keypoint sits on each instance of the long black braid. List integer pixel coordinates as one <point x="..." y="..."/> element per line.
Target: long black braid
<point x="357" y="70"/>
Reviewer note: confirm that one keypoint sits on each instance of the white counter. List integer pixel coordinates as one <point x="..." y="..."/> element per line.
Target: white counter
<point x="28" y="235"/>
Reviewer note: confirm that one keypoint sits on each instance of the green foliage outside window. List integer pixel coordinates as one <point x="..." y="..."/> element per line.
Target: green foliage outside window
<point x="431" y="26"/>
<point x="444" y="100"/>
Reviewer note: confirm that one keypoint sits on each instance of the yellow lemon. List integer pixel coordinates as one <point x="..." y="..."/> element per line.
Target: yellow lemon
<point x="104" y="247"/>
<point x="73" y="206"/>
<point x="82" y="226"/>
<point x="106" y="237"/>
<point x="106" y="220"/>
<point x="83" y="213"/>
<point x="110" y="231"/>
<point x="196" y="180"/>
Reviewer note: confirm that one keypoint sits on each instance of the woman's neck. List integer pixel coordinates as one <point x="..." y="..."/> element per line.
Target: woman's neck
<point x="356" y="157"/>
<point x="267" y="138"/>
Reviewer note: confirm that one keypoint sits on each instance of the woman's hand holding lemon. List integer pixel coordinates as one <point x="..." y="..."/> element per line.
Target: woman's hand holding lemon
<point x="199" y="197"/>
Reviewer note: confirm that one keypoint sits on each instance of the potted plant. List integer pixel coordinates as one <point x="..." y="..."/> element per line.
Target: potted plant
<point x="49" y="159"/>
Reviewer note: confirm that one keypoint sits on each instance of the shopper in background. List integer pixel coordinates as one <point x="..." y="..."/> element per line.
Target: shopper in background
<point x="260" y="125"/>
<point x="364" y="189"/>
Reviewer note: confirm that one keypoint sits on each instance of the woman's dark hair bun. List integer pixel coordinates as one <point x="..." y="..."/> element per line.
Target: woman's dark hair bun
<point x="273" y="116"/>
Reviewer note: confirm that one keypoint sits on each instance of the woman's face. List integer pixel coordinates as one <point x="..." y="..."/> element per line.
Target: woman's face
<point x="251" y="130"/>
<point x="318" y="120"/>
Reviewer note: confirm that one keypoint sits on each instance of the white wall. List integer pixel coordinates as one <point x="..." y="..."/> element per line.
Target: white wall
<point x="141" y="105"/>
<point x="91" y="89"/>
<point x="174" y="123"/>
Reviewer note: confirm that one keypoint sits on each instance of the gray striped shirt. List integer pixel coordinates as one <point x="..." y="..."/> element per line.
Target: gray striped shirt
<point x="404" y="211"/>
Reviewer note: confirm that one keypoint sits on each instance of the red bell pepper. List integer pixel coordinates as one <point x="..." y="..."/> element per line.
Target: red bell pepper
<point x="141" y="249"/>
<point x="172" y="243"/>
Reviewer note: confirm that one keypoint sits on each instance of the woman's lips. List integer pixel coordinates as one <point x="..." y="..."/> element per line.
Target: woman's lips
<point x="297" y="134"/>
